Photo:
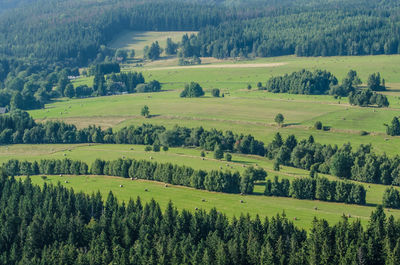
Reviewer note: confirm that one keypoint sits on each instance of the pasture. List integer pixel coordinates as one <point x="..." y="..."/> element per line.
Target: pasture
<point x="181" y="156"/>
<point x="137" y="40"/>
<point x="301" y="211"/>
<point x="241" y="111"/>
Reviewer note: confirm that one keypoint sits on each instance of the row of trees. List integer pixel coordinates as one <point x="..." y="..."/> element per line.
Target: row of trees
<point x="347" y="31"/>
<point x="361" y="165"/>
<point x="322" y="82"/>
<point x="316" y="189"/>
<point x="302" y="82"/>
<point x="391" y="198"/>
<point x="367" y="97"/>
<point x="214" y="180"/>
<point x="219" y="181"/>
<point x="54" y="224"/>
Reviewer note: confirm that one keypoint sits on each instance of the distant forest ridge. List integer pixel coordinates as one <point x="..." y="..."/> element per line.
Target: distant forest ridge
<point x="73" y="31"/>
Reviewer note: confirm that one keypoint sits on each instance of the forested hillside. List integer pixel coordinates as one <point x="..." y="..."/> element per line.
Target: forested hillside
<point x="75" y="30"/>
<point x="54" y="225"/>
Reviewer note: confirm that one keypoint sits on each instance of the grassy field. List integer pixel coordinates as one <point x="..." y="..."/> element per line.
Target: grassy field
<point x="188" y="198"/>
<point x="137" y="40"/>
<point x="180" y="156"/>
<point x="241" y="111"/>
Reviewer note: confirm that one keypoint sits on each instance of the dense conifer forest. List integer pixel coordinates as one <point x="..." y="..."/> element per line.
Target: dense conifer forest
<point x="55" y="225"/>
<point x="68" y="31"/>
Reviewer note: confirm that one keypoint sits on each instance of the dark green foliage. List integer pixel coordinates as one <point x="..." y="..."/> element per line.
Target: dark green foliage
<point x="105" y="68"/>
<point x="366" y="97"/>
<point x="316" y="189"/>
<point x="361" y="165"/>
<point x="218" y="152"/>
<point x="192" y="90"/>
<point x="127" y="82"/>
<point x="349" y="84"/>
<point x="156" y="148"/>
<point x="171" y="48"/>
<point x="153" y="52"/>
<point x="394" y="128"/>
<point x="148" y="148"/>
<point x="318" y="125"/>
<point x="215" y="92"/>
<point x="302" y="82"/>
<point x="391" y="198"/>
<point x="355" y="28"/>
<point x="228" y="157"/>
<point x="165" y="148"/>
<point x="55" y="225"/>
<point x="279" y="119"/>
<point x="276" y="165"/>
<point x="374" y="82"/>
<point x="145" y="112"/>
<point x="152" y="86"/>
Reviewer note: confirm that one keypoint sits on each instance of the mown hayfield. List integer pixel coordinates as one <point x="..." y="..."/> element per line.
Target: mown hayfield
<point x="301" y="211"/>
<point x="180" y="156"/>
<point x="241" y="112"/>
<point x="137" y="40"/>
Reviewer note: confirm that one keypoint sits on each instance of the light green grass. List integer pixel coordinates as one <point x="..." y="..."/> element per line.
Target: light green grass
<point x="241" y="112"/>
<point x="137" y="40"/>
<point x="229" y="204"/>
<point x="180" y="156"/>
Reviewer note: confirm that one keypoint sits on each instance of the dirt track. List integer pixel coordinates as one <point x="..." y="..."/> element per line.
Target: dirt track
<point x="243" y="65"/>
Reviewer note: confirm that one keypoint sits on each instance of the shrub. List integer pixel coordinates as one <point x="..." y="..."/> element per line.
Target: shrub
<point x="215" y="92"/>
<point x="147" y="148"/>
<point x="228" y="157"/>
<point x="318" y="125"/>
<point x="156" y="148"/>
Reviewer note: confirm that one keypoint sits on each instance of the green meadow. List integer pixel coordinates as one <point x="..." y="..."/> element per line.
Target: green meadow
<point x="189" y="198"/>
<point x="137" y="40"/>
<point x="241" y="111"/>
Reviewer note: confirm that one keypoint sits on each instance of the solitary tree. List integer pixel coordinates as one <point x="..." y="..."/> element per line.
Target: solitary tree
<point x="279" y="119"/>
<point x="318" y="125"/>
<point x="192" y="90"/>
<point x="145" y="111"/>
<point x="215" y="92"/>
<point x="394" y="128"/>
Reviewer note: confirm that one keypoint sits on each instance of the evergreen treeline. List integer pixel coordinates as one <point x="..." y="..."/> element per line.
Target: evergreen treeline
<point x="367" y="97"/>
<point x="342" y="30"/>
<point x="361" y="165"/>
<point x="394" y="128"/>
<point x="67" y="31"/>
<point x="323" y="82"/>
<point x="19" y="127"/>
<point x="391" y="198"/>
<point x="316" y="189"/>
<point x="214" y="180"/>
<point x="302" y="82"/>
<point x="54" y="225"/>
